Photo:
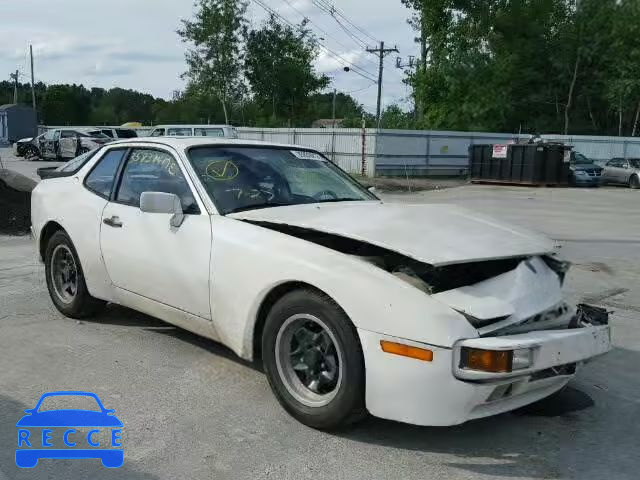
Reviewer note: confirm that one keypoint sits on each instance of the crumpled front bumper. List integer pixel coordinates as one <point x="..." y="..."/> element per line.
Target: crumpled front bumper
<point x="550" y="348"/>
<point x="441" y="393"/>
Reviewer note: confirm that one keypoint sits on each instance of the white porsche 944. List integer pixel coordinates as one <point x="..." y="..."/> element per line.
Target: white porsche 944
<point x="426" y="314"/>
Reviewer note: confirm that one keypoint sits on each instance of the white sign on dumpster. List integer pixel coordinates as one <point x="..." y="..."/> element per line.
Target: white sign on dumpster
<point x="499" y="151"/>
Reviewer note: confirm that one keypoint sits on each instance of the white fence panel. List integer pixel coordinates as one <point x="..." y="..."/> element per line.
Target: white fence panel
<point x="417" y="152"/>
<point x="342" y="145"/>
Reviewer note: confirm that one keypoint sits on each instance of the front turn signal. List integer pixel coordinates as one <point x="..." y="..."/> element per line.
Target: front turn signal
<point x="407" y="350"/>
<point x="494" y="361"/>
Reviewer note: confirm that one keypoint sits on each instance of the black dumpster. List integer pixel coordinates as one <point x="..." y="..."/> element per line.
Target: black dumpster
<point x="524" y="164"/>
<point x="15" y="202"/>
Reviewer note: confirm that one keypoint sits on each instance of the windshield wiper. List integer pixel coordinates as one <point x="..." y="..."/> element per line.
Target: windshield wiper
<point x="258" y="206"/>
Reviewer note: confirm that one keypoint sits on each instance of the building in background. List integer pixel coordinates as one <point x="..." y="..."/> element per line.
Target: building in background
<point x="16" y="122"/>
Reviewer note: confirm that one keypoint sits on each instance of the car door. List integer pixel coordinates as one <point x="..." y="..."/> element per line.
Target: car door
<point x="45" y="145"/>
<point x="625" y="172"/>
<point x="143" y="253"/>
<point x="68" y="144"/>
<point x="610" y="172"/>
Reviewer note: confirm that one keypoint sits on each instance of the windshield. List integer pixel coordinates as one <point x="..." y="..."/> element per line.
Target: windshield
<point x="77" y="163"/>
<point x="93" y="134"/>
<point x="634" y="162"/>
<point x="580" y="159"/>
<point x="245" y="178"/>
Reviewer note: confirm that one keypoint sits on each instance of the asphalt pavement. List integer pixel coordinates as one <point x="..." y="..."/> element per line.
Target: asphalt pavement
<point x="191" y="409"/>
<point x="18" y="164"/>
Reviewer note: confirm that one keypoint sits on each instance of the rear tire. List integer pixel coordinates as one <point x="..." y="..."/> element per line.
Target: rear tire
<point x="314" y="361"/>
<point x="634" y="182"/>
<point x="65" y="280"/>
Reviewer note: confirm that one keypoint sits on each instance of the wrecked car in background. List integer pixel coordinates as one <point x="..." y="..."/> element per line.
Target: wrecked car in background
<point x="64" y="144"/>
<point x="426" y="314"/>
<point x="26" y="147"/>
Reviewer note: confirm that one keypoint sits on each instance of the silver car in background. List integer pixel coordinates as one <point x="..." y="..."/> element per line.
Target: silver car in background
<point x="624" y="171"/>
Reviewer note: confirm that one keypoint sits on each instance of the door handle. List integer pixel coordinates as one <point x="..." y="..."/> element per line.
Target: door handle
<point x="112" y="222"/>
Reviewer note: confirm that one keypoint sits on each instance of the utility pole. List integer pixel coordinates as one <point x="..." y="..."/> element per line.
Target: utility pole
<point x="381" y="52"/>
<point x="411" y="65"/>
<point x="33" y="88"/>
<point x="14" y="77"/>
<point x="333" y="109"/>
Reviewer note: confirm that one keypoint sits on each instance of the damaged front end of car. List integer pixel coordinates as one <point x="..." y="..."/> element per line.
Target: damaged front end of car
<point x="499" y="297"/>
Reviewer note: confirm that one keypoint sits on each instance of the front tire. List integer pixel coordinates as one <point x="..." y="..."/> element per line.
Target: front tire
<point x="30" y="153"/>
<point x="634" y="182"/>
<point x="65" y="280"/>
<point x="314" y="361"/>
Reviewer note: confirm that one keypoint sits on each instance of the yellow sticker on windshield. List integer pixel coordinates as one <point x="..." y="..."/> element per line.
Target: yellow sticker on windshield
<point x="222" y="170"/>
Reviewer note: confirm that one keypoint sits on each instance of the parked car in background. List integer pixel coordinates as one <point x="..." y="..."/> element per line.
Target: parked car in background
<point x="118" y="132"/>
<point x="225" y="131"/>
<point x="67" y="169"/>
<point x="623" y="171"/>
<point x="584" y="171"/>
<point x="63" y="144"/>
<point x="426" y="314"/>
<point x="26" y="147"/>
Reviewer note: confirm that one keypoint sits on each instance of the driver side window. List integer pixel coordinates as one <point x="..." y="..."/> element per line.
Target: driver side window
<point x="150" y="170"/>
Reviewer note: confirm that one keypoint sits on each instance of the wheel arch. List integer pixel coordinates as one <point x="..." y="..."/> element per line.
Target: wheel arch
<point x="46" y="233"/>
<point x="269" y="300"/>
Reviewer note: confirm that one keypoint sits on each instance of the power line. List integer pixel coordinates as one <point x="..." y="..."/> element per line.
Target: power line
<point x="329" y="9"/>
<point x="360" y="89"/>
<point x="333" y="11"/>
<point x="361" y="43"/>
<point x="355" y="68"/>
<point x="327" y="34"/>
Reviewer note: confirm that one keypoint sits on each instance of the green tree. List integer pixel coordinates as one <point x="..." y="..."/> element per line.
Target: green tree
<point x="279" y="68"/>
<point x="215" y="59"/>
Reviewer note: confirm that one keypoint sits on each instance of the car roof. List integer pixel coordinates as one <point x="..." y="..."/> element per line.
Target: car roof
<point x="183" y="143"/>
<point x="193" y="125"/>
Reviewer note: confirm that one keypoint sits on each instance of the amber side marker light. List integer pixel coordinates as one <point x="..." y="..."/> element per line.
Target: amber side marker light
<point x="494" y="361"/>
<point x="407" y="350"/>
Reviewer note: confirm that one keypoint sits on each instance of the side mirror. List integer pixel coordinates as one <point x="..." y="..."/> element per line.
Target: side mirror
<point x="372" y="190"/>
<point x="161" y="202"/>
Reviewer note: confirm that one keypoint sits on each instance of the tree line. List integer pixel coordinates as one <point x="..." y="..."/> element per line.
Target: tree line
<point x="530" y="66"/>
<point x="64" y="104"/>
<point x="547" y="66"/>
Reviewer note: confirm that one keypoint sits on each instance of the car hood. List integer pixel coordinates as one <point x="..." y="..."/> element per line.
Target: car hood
<point x="434" y="234"/>
<point x="69" y="418"/>
<point x="586" y="166"/>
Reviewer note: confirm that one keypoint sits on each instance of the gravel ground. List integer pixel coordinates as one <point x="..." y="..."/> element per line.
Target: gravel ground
<point x="193" y="410"/>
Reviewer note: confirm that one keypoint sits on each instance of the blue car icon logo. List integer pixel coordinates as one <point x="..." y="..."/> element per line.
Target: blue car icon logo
<point x="99" y="430"/>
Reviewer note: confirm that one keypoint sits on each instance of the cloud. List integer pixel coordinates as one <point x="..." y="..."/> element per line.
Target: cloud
<point x="331" y="61"/>
<point x="141" y="50"/>
<point x="144" y="57"/>
<point x="108" y="69"/>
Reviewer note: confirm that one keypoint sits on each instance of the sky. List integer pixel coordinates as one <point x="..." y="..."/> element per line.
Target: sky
<point x="133" y="44"/>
